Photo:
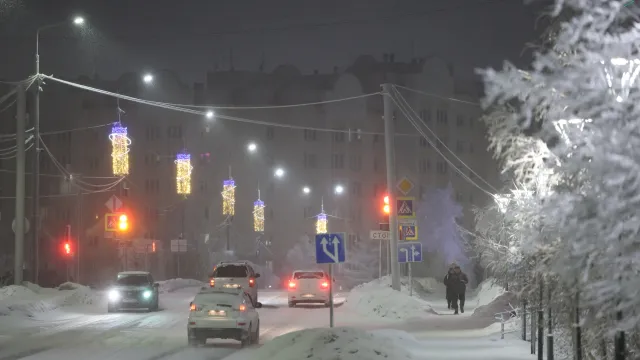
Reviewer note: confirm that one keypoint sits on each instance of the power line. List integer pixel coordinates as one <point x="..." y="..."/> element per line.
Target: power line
<point x="266" y="107"/>
<point x="437" y="96"/>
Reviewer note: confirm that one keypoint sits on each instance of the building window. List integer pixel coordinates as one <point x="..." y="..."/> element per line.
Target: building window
<point x="310" y="161"/>
<point x="460" y="120"/>
<point x="355" y="162"/>
<point x="471" y="198"/>
<point x="206" y="212"/>
<point x="442" y="117"/>
<point x="203" y="185"/>
<point x="425" y="115"/>
<point x="377" y="138"/>
<point x="378" y="165"/>
<point x="174" y="132"/>
<point x="310" y="135"/>
<point x="338" y="137"/>
<point x="459" y="146"/>
<point x="470" y="122"/>
<point x="355" y="135"/>
<point x="356" y="188"/>
<point x="423" y="166"/>
<point x="442" y="166"/>
<point x="271" y="133"/>
<point x="337" y="161"/>
<point x="308" y="212"/>
<point x="423" y="142"/>
<point x="152" y="186"/>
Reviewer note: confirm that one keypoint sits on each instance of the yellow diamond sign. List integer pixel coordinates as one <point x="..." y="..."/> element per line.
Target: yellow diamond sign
<point x="405" y="186"/>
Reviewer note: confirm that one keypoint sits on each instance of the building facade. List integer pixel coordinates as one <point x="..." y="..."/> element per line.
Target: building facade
<point x="318" y="146"/>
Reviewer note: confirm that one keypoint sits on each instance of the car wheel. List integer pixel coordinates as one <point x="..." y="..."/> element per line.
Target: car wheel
<point x="155" y="305"/>
<point x="327" y="304"/>
<point x="292" y="304"/>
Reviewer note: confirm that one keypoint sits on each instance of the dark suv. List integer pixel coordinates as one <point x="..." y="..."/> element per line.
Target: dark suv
<point x="133" y="290"/>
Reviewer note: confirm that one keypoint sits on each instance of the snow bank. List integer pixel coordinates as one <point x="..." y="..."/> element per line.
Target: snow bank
<point x="326" y="344"/>
<point x="428" y="285"/>
<point x="172" y="285"/>
<point x="378" y="299"/>
<point x="492" y="299"/>
<point x="30" y="299"/>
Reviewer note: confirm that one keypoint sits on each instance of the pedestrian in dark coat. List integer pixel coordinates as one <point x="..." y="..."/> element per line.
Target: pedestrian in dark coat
<point x="449" y="293"/>
<point x="457" y="282"/>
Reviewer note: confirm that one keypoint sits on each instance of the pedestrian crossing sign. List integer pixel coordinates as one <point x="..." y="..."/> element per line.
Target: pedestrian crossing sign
<point x="405" y="207"/>
<point x="408" y="232"/>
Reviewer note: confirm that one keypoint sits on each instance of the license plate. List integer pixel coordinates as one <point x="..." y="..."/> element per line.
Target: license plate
<point x="232" y="286"/>
<point x="308" y="295"/>
<point x="217" y="313"/>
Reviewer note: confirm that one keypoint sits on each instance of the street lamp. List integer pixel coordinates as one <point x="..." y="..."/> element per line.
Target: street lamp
<point x="306" y="190"/>
<point x="147" y="78"/>
<point x="77" y="21"/>
<point x="279" y="172"/>
<point x="252" y="147"/>
<point x="339" y="189"/>
<point x="209" y="114"/>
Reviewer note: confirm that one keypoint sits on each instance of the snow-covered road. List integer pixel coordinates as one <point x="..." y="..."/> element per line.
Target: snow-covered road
<point x="89" y="332"/>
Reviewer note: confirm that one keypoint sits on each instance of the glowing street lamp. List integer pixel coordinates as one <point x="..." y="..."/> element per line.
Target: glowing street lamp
<point x="279" y="172"/>
<point x="252" y="147"/>
<point x="209" y="114"/>
<point x="306" y="190"/>
<point x="147" y="78"/>
<point x="339" y="189"/>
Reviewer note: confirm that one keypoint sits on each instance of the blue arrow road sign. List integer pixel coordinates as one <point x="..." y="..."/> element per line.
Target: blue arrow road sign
<point x="330" y="248"/>
<point x="410" y="251"/>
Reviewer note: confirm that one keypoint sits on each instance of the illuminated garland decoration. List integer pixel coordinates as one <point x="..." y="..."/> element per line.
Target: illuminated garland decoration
<point x="321" y="224"/>
<point x="183" y="173"/>
<point x="120" y="150"/>
<point x="258" y="216"/>
<point x="229" y="197"/>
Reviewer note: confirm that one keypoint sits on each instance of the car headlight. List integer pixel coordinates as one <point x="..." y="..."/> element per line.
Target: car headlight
<point x="147" y="294"/>
<point x="114" y="295"/>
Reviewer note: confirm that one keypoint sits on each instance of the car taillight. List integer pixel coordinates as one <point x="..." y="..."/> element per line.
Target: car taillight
<point x="194" y="307"/>
<point x="292" y="285"/>
<point x="252" y="282"/>
<point x="325" y="285"/>
<point x="242" y="307"/>
<point x="212" y="282"/>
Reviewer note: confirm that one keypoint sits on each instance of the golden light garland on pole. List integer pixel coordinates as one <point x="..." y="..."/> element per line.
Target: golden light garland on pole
<point x="321" y="223"/>
<point x="229" y="197"/>
<point x="183" y="173"/>
<point x="258" y="215"/>
<point x="119" y="150"/>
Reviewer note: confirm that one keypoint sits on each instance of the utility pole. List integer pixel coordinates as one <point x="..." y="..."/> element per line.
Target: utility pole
<point x="36" y="174"/>
<point x="18" y="263"/>
<point x="80" y="230"/>
<point x="389" y="141"/>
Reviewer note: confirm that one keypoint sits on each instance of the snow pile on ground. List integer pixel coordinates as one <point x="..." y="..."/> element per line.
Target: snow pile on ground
<point x="428" y="285"/>
<point x="172" y="285"/>
<point x="377" y="298"/>
<point x="493" y="299"/>
<point x="30" y="299"/>
<point x="326" y="344"/>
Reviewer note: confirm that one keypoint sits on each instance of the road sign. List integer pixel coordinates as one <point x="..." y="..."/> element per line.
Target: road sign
<point x="405" y="207"/>
<point x="113" y="204"/>
<point x="111" y="222"/>
<point x="179" y="245"/>
<point x="379" y="235"/>
<point x="405" y="186"/>
<point x="409" y="252"/>
<point x="330" y="248"/>
<point x="407" y="229"/>
<point x="27" y="225"/>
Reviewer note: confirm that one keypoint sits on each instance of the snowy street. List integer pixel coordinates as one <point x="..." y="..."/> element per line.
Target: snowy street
<point x="83" y="331"/>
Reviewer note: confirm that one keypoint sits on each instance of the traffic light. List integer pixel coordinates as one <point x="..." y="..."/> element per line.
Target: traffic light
<point x="66" y="248"/>
<point x="386" y="208"/>
<point x="153" y="246"/>
<point x="123" y="222"/>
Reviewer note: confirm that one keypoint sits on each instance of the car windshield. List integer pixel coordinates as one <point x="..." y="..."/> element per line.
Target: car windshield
<point x="132" y="279"/>
<point x="230" y="271"/>
<point x="308" y="275"/>
<point x="220" y="299"/>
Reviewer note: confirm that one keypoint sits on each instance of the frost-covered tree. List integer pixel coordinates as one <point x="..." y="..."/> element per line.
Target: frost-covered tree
<point x="361" y="264"/>
<point x="301" y="255"/>
<point x="580" y="98"/>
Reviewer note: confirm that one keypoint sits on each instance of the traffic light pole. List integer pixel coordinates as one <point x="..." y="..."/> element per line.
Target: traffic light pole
<point x="389" y="140"/>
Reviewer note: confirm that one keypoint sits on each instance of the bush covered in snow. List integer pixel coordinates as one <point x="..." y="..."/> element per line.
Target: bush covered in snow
<point x="377" y="298"/>
<point x="172" y="285"/>
<point x="327" y="344"/>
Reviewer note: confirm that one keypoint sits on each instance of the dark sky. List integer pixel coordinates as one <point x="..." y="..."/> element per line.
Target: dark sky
<point x="190" y="36"/>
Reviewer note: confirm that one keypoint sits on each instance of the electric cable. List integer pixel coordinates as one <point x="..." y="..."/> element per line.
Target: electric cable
<point x="416" y="116"/>
<point x="267" y="107"/>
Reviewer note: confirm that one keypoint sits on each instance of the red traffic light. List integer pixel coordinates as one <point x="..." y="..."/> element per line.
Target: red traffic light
<point x="123" y="222"/>
<point x="153" y="246"/>
<point x="66" y="247"/>
<point x="386" y="208"/>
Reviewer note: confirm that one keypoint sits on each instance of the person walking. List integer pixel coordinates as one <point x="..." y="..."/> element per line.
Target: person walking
<point x="458" y="282"/>
<point x="449" y="294"/>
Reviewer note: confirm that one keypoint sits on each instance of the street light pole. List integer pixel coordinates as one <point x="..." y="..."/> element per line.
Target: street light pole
<point x="18" y="263"/>
<point x="389" y="140"/>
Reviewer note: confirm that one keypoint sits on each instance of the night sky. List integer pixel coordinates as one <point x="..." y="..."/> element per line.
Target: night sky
<point x="192" y="36"/>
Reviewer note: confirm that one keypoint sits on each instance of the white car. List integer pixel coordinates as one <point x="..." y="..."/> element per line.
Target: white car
<point x="308" y="287"/>
<point x="225" y="313"/>
<point x="235" y="274"/>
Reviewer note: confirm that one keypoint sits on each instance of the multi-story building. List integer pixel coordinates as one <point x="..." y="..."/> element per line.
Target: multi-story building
<point x="318" y="146"/>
